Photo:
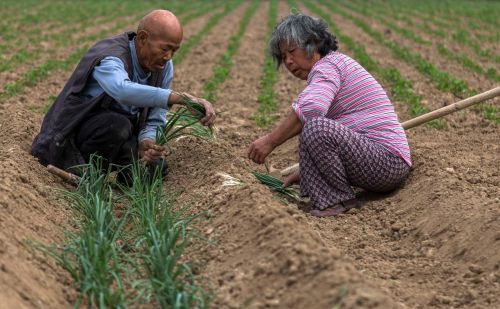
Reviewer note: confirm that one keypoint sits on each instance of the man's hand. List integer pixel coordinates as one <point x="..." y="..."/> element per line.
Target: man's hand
<point x="292" y="179"/>
<point x="149" y="151"/>
<point x="260" y="149"/>
<point x="177" y="98"/>
<point x="209" y="118"/>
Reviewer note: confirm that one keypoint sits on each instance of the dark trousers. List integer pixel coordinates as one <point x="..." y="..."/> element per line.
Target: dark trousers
<point x="109" y="135"/>
<point x="112" y="136"/>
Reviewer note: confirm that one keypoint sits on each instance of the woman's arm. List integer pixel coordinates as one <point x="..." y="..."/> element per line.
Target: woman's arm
<point x="286" y="129"/>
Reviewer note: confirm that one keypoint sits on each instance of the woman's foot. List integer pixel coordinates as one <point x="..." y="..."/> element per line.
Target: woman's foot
<point x="337" y="209"/>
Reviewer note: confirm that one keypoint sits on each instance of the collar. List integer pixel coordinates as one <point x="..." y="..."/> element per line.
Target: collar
<point x="135" y="61"/>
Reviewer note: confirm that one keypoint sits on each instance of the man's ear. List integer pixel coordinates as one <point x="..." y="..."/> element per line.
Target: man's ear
<point x="142" y="36"/>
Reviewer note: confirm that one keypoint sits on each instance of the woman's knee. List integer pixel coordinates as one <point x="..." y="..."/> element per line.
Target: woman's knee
<point x="318" y="130"/>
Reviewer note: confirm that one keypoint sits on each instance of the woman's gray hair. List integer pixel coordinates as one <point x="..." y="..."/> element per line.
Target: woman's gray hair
<point x="304" y="32"/>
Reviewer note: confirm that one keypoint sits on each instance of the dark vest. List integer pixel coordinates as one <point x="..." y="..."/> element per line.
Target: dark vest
<point x="54" y="144"/>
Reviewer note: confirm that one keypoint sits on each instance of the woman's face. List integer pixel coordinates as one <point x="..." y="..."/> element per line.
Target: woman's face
<point x="297" y="61"/>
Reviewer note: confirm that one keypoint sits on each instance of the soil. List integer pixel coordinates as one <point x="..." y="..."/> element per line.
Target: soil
<point x="434" y="243"/>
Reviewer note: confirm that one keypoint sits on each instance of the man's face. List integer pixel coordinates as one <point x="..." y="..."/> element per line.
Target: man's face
<point x="297" y="61"/>
<point x="154" y="50"/>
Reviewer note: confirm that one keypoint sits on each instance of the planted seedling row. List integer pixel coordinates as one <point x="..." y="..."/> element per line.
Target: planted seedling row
<point x="223" y="67"/>
<point x="268" y="101"/>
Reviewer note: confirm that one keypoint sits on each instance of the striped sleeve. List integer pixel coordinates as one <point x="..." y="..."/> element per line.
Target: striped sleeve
<point x="316" y="98"/>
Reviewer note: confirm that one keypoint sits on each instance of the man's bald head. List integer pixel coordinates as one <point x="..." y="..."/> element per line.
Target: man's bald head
<point x="159" y="36"/>
<point x="161" y="23"/>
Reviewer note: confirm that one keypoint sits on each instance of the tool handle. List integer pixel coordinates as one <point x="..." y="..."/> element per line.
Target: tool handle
<point x="69" y="177"/>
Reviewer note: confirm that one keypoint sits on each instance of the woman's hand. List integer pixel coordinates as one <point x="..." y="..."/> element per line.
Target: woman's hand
<point x="149" y="151"/>
<point x="292" y="179"/>
<point x="260" y="149"/>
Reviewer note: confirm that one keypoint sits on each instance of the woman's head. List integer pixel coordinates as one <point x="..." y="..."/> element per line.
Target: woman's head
<point x="303" y="39"/>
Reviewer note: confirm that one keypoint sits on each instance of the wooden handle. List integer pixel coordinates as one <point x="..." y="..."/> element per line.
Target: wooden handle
<point x="451" y="108"/>
<point x="69" y="177"/>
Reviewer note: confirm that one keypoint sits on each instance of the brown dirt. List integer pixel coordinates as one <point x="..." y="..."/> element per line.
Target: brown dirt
<point x="432" y="244"/>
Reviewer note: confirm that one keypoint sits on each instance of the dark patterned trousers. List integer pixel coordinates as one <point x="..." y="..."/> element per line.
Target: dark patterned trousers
<point x="333" y="158"/>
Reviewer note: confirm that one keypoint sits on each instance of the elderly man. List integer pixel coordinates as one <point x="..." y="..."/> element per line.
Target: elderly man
<point x="117" y="96"/>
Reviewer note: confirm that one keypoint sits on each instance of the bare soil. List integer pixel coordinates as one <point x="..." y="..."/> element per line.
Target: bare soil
<point x="435" y="243"/>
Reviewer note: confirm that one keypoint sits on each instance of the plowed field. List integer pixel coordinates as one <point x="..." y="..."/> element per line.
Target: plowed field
<point x="435" y="243"/>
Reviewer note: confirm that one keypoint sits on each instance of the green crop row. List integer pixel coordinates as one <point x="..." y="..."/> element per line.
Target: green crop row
<point x="490" y="73"/>
<point x="223" y="67"/>
<point x="442" y="80"/>
<point x="195" y="39"/>
<point x="268" y="101"/>
<point x="62" y="39"/>
<point x="455" y="32"/>
<point x="461" y="59"/>
<point x="91" y="255"/>
<point x="448" y="13"/>
<point x="127" y="248"/>
<point x="35" y="75"/>
<point x="401" y="89"/>
<point x="58" y="40"/>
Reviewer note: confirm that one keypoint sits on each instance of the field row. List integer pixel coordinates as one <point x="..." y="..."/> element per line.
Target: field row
<point x="401" y="87"/>
<point x="151" y="239"/>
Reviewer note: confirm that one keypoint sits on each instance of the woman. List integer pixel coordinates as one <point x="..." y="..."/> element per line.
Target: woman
<point x="350" y="134"/>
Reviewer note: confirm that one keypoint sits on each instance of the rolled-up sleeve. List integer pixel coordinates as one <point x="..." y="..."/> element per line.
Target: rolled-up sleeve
<point x="317" y="97"/>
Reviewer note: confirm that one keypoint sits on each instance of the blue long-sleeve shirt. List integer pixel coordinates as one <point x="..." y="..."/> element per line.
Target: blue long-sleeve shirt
<point x="111" y="77"/>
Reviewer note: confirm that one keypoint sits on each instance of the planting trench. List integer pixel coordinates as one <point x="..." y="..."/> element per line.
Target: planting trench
<point x="432" y="244"/>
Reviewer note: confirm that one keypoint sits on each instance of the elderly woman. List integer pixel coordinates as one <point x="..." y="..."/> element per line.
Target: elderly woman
<point x="349" y="132"/>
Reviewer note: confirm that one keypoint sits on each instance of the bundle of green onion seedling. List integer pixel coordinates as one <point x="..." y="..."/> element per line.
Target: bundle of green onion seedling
<point x="184" y="122"/>
<point x="276" y="185"/>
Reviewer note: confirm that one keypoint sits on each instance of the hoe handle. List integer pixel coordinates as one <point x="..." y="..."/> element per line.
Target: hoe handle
<point x="451" y="108"/>
<point x="69" y="177"/>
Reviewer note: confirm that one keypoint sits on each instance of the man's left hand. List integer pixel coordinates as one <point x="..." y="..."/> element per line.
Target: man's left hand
<point x="209" y="118"/>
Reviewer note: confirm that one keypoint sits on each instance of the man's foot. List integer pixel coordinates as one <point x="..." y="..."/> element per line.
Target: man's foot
<point x="337" y="209"/>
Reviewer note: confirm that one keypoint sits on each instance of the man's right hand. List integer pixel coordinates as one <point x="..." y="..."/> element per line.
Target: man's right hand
<point x="149" y="151"/>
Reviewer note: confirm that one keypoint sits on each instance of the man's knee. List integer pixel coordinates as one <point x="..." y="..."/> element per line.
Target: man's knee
<point x="112" y="128"/>
<point x="118" y="128"/>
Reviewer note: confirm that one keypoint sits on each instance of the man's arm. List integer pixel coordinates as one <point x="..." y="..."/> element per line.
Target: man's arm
<point x="114" y="80"/>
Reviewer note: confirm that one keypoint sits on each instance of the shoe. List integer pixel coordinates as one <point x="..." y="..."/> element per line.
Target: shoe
<point x="337" y="209"/>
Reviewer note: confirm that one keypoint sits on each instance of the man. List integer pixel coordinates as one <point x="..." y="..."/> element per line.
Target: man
<point x="115" y="99"/>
